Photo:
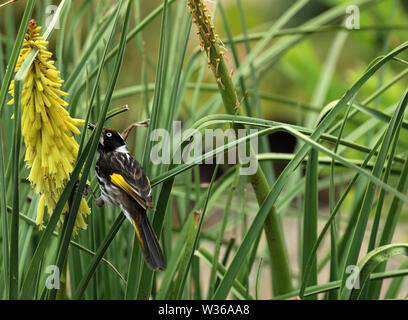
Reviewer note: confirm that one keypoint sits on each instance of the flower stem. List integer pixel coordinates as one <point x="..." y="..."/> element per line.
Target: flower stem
<point x="214" y="49"/>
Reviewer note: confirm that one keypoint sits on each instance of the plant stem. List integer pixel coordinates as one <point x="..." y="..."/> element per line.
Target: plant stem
<point x="274" y="235"/>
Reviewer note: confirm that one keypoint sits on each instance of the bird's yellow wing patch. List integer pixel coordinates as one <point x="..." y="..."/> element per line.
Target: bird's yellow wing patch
<point x="120" y="182"/>
<point x="148" y="181"/>
<point x="138" y="234"/>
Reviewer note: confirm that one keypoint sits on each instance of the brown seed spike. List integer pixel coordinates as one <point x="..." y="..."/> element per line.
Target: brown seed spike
<point x="32" y="24"/>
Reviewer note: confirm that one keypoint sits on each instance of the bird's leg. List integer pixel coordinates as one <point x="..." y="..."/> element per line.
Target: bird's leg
<point x="98" y="201"/>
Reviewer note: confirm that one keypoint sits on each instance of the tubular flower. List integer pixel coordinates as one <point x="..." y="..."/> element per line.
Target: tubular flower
<point x="47" y="128"/>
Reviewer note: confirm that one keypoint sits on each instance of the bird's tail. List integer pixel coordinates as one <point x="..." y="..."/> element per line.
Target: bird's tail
<point x="149" y="244"/>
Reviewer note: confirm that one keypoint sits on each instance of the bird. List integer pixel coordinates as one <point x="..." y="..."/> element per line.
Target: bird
<point x="123" y="183"/>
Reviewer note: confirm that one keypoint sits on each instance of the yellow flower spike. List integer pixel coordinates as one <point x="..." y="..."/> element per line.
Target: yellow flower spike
<point x="28" y="83"/>
<point x="40" y="211"/>
<point x="57" y="91"/>
<point x="78" y="122"/>
<point x="47" y="128"/>
<point x="56" y="130"/>
<point x="73" y="128"/>
<point x="39" y="84"/>
<point x="37" y="121"/>
<point x="45" y="99"/>
<point x="52" y="74"/>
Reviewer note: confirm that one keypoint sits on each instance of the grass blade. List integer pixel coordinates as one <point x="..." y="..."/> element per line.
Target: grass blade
<point x="146" y="281"/>
<point x="391" y="222"/>
<point x="278" y="185"/>
<point x="237" y="288"/>
<point x="367" y="265"/>
<point x="98" y="257"/>
<point x="396" y="283"/>
<point x="76" y="72"/>
<point x="310" y="218"/>
<point x="66" y="237"/>
<point x="391" y="133"/>
<point x="14" y="261"/>
<point x="15" y="52"/>
<point x="3" y="210"/>
<point x="191" y="244"/>
<point x="214" y="265"/>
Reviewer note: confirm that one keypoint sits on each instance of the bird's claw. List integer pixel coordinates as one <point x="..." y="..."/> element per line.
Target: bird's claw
<point x="88" y="190"/>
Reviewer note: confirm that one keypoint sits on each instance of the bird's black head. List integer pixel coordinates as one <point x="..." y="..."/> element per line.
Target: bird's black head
<point x="111" y="140"/>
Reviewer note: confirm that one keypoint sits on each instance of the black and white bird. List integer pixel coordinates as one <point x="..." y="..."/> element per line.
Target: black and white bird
<point x="123" y="183"/>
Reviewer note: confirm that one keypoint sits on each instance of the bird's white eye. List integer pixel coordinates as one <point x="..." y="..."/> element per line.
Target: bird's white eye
<point x="109" y="134"/>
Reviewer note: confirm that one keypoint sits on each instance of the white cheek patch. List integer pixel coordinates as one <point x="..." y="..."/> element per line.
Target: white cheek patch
<point x="122" y="149"/>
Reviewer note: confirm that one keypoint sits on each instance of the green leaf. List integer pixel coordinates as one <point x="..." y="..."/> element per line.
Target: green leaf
<point x="396" y="283"/>
<point x="89" y="272"/>
<point x="95" y="141"/>
<point x="15" y="53"/>
<point x="310" y="217"/>
<point x="367" y="265"/>
<point x="391" y="134"/>
<point x="91" y="48"/>
<point x="3" y="211"/>
<point x="191" y="244"/>
<point x="14" y="257"/>
<point x="226" y="283"/>
<point x="335" y="285"/>
<point x="237" y="288"/>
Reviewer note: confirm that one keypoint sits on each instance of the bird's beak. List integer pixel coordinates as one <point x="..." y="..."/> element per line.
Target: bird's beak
<point x="91" y="127"/>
